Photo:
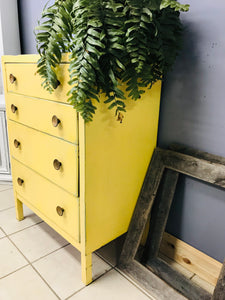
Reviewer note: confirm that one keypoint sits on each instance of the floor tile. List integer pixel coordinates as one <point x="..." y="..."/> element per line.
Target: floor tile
<point x="111" y="252"/>
<point x="4" y="187"/>
<point x="6" y="199"/>
<point x="62" y="270"/>
<point x="25" y="284"/>
<point x="10" y="224"/>
<point x="99" y="267"/>
<point x="38" y="241"/>
<point x="10" y="258"/>
<point x="111" y="286"/>
<point x="1" y="234"/>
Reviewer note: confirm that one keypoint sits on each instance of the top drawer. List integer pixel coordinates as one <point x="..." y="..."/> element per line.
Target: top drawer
<point x="28" y="82"/>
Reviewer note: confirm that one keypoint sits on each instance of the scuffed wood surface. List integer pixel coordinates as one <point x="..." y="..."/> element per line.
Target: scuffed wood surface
<point x="155" y="286"/>
<point x="160" y="213"/>
<point x="142" y="209"/>
<point x="211" y="172"/>
<point x="178" y="281"/>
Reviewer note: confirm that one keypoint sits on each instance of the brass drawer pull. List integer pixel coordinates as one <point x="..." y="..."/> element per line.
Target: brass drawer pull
<point x="16" y="143"/>
<point x="12" y="78"/>
<point x="57" y="84"/>
<point x="60" y="211"/>
<point x="14" y="108"/>
<point x="20" y="181"/>
<point x="57" y="164"/>
<point x="55" y="121"/>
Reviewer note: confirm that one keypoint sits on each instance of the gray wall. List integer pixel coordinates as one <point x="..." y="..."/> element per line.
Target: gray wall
<point x="29" y="14"/>
<point x="192" y="113"/>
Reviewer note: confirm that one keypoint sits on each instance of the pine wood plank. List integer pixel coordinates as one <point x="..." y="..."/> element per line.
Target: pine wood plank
<point x="176" y="266"/>
<point x="192" y="259"/>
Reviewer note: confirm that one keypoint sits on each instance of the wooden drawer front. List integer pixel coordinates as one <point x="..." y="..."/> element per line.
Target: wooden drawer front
<point x="38" y="151"/>
<point x="45" y="197"/>
<point x="38" y="113"/>
<point x="28" y="82"/>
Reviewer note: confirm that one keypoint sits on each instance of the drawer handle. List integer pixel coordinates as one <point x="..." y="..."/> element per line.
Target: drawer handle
<point x="55" y="121"/>
<point x="57" y="164"/>
<point x="20" y="181"/>
<point x="57" y="84"/>
<point x="12" y="78"/>
<point x="60" y="211"/>
<point x="14" y="108"/>
<point x="16" y="143"/>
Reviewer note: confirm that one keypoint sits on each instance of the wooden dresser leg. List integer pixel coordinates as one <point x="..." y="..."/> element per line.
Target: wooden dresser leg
<point x="19" y="210"/>
<point x="86" y="266"/>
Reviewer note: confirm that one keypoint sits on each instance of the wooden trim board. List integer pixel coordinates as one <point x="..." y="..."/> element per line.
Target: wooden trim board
<point x="192" y="259"/>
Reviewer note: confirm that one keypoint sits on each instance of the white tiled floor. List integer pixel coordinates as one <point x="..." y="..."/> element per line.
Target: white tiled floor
<point x="37" y="263"/>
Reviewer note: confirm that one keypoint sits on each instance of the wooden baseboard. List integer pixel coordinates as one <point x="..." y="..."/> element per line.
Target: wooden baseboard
<point x="192" y="259"/>
<point x="5" y="179"/>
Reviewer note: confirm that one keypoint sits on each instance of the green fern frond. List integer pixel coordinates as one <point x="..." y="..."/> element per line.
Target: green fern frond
<point x="134" y="42"/>
<point x="174" y="5"/>
<point x="52" y="36"/>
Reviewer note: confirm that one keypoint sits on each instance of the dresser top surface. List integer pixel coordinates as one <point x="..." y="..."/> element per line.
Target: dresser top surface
<point x="28" y="58"/>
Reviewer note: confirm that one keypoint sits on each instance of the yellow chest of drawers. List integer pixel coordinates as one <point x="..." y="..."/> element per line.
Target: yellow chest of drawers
<point x="82" y="179"/>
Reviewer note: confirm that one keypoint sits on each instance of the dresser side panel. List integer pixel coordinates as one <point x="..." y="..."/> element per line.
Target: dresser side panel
<point x="116" y="160"/>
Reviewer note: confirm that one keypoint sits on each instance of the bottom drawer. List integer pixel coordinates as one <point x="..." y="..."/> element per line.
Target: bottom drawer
<point x="47" y="198"/>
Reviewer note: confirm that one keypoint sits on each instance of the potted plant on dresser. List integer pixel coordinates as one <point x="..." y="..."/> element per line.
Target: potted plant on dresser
<point x="74" y="163"/>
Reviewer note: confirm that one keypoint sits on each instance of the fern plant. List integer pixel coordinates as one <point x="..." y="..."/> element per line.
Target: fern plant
<point x="110" y="42"/>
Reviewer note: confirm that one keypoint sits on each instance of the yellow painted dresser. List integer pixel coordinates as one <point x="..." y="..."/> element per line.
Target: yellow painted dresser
<point x="82" y="179"/>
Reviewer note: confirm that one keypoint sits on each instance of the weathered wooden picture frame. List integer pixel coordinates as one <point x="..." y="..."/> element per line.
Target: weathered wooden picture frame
<point x="161" y="280"/>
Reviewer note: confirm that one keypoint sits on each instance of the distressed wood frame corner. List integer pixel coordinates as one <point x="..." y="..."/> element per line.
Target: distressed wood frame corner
<point x="158" y="278"/>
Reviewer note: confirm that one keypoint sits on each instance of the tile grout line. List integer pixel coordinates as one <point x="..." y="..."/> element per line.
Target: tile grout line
<point x="6" y="189"/>
<point x="10" y="234"/>
<point x="14" y="271"/>
<point x="45" y="282"/>
<point x="3" y="233"/>
<point x="134" y="283"/>
<point x="4" y="209"/>
<point x="104" y="259"/>
<point x="20" y="230"/>
<point x="126" y="277"/>
<point x="107" y="271"/>
<point x="49" y="253"/>
<point x="30" y="264"/>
